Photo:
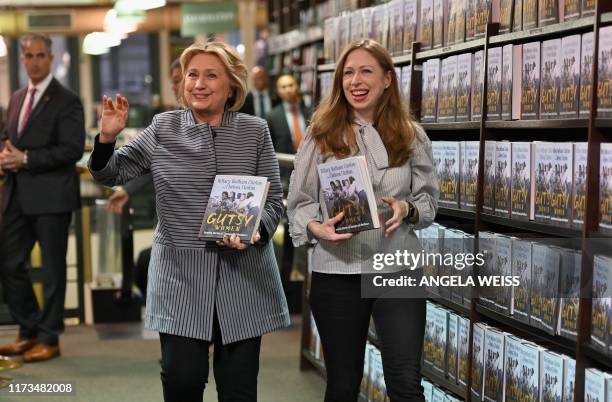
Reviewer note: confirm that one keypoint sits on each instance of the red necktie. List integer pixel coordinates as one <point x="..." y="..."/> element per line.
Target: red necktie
<point x="28" y="110"/>
<point x="297" y="130"/>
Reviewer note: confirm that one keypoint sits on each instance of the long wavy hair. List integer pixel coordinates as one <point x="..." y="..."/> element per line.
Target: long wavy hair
<point x="332" y="122"/>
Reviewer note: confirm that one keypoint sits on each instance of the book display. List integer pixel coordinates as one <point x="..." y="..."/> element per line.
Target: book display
<point x="515" y="97"/>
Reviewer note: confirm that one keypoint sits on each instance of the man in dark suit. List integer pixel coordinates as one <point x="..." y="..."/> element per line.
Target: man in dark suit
<point x="259" y="101"/>
<point x="288" y="120"/>
<point x="43" y="140"/>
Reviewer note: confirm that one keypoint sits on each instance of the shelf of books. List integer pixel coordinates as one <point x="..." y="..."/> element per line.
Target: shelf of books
<point x="517" y="100"/>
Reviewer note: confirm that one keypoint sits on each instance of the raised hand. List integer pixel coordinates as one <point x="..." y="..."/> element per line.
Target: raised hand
<point x="113" y="119"/>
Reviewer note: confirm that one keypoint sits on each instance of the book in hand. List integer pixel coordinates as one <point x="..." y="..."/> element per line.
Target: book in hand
<point x="347" y="188"/>
<point x="234" y="207"/>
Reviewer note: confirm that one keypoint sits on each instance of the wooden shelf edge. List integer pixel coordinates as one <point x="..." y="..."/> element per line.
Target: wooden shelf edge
<point x="451" y="126"/>
<point x="449" y="304"/>
<point x="326" y="67"/>
<point x="549" y="229"/>
<point x="452" y="49"/>
<point x="537" y="124"/>
<point x="456" y="213"/>
<point x="444" y="383"/>
<point x="532" y="34"/>
<point x="402" y="59"/>
<point x="598" y="355"/>
<point x="527" y="331"/>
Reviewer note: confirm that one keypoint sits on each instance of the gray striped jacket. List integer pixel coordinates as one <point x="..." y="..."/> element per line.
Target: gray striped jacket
<point x="190" y="278"/>
<point x="414" y="181"/>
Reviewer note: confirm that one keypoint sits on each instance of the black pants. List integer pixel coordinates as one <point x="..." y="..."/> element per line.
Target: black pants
<point x="342" y="317"/>
<point x="185" y="368"/>
<point x="18" y="233"/>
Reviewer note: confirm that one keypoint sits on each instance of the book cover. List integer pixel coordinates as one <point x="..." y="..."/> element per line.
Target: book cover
<point x="344" y="33"/>
<point x="430" y="240"/>
<point x="544" y="162"/>
<point x="447" y="236"/>
<point x="552" y="377"/>
<point x="377" y="389"/>
<point x="477" y="85"/>
<point x="469" y="175"/>
<point x="464" y="86"/>
<point x="521" y="267"/>
<point x="506" y="76"/>
<point x="429" y="337"/>
<point x="529" y="367"/>
<point x="329" y="37"/>
<point x="517" y="19"/>
<point x="356" y="25"/>
<point x="550" y="79"/>
<point x="438" y="23"/>
<point x="521" y="180"/>
<point x="363" y="388"/>
<point x="548" y="12"/>
<point x="587" y="8"/>
<point x="512" y="373"/>
<point x="604" y="75"/>
<point x="449" y="33"/>
<point x="460" y="6"/>
<point x="561" y="182"/>
<point x="448" y="172"/>
<point x="470" y="19"/>
<point x="494" y="83"/>
<point x="586" y="74"/>
<point x="395" y="9"/>
<point x="347" y="188"/>
<point x="398" y="78"/>
<point x="569" y="379"/>
<point x="380" y="24"/>
<point x="468" y="271"/>
<point x="478" y="334"/>
<point x="366" y="14"/>
<point x="571" y="9"/>
<point x="530" y="14"/>
<point x="487" y="246"/>
<point x="234" y="207"/>
<point x="494" y="365"/>
<point x="464" y="339"/>
<point x="517" y="82"/>
<point x="538" y="282"/>
<point x="427" y="389"/>
<point x="439" y="340"/>
<point x="601" y="313"/>
<point x="427" y="22"/>
<point x="453" y="244"/>
<point x="505" y="15"/>
<point x="503" y="267"/>
<point x="569" y="96"/>
<point x="406" y="79"/>
<point x="411" y="14"/>
<point x="605" y="187"/>
<point x="550" y="290"/>
<point x="438" y="395"/>
<point x="483" y="9"/>
<point x="594" y="385"/>
<point x="452" y="344"/>
<point x="503" y="163"/>
<point x="431" y="81"/>
<point x="530" y="80"/>
<point x="488" y="205"/>
<point x="569" y="292"/>
<point x="579" y="187"/>
<point x="448" y="90"/>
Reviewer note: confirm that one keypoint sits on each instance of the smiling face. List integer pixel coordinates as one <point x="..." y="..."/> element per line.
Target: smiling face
<point x="363" y="82"/>
<point x="37" y="60"/>
<point x="207" y="87"/>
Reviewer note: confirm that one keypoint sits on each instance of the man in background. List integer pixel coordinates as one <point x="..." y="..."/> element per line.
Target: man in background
<point x="288" y="120"/>
<point x="43" y="139"/>
<point x="259" y="101"/>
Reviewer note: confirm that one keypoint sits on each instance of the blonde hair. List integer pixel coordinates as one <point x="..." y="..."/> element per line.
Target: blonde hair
<point x="332" y="123"/>
<point x="234" y="67"/>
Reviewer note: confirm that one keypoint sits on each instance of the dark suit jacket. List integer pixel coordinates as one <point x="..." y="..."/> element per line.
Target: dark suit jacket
<point x="249" y="103"/>
<point x="279" y="128"/>
<point x="54" y="137"/>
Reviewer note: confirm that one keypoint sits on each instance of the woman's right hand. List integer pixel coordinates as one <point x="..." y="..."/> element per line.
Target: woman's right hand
<point x="327" y="230"/>
<point x="113" y="118"/>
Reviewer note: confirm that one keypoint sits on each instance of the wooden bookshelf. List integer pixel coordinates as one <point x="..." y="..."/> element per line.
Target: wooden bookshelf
<point x="549" y="229"/>
<point x="451" y="126"/>
<point x="598" y="356"/>
<point x="460" y="309"/>
<point x="444" y="383"/>
<point x="584" y="24"/>
<point x="553" y="124"/>
<point x="326" y="67"/>
<point x="464" y="47"/>
<point x="456" y="213"/>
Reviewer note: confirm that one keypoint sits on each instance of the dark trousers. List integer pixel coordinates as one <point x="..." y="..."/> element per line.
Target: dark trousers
<point x="185" y="368"/>
<point x="342" y="317"/>
<point x="18" y="233"/>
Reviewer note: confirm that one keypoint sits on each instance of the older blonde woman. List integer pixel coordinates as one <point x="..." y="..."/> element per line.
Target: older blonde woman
<point x="225" y="293"/>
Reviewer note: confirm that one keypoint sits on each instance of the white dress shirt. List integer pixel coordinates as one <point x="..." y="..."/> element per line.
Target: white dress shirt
<point x="41" y="87"/>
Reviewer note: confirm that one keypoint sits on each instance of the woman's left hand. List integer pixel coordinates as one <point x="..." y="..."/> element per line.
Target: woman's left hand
<point x="234" y="241"/>
<point x="400" y="211"/>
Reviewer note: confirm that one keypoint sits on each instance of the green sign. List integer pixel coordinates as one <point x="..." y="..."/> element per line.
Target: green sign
<point x="204" y="18"/>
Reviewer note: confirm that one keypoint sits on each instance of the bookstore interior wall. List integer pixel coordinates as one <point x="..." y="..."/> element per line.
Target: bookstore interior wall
<point x="516" y="97"/>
